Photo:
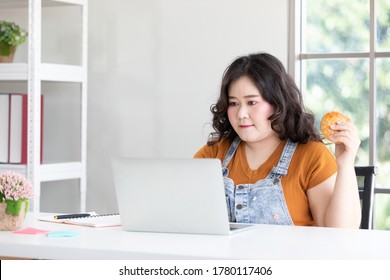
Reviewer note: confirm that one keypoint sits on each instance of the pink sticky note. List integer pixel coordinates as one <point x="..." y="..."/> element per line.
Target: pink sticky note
<point x="31" y="230"/>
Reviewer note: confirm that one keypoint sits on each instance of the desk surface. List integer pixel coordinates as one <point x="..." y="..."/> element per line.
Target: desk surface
<point x="260" y="242"/>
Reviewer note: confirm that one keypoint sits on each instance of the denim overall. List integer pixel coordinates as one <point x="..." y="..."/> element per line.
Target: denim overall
<point x="262" y="202"/>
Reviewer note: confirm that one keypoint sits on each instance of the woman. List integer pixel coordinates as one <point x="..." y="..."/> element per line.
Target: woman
<point x="276" y="168"/>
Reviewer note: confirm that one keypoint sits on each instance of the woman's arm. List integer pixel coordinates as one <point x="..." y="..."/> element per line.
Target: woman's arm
<point x="335" y="202"/>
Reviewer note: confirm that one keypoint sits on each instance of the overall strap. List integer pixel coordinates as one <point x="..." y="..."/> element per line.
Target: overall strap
<point x="281" y="169"/>
<point x="229" y="155"/>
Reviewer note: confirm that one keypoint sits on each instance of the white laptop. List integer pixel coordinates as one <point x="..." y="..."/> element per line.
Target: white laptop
<point x="172" y="195"/>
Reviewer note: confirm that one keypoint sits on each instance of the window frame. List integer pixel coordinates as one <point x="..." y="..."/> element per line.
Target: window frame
<point x="297" y="55"/>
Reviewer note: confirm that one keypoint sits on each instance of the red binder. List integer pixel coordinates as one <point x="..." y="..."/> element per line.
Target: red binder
<point x="18" y="125"/>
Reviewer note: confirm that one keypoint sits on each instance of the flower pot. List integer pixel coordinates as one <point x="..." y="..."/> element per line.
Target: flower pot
<point x="12" y="222"/>
<point x="7" y="53"/>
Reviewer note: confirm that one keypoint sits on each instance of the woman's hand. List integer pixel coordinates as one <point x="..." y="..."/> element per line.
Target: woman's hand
<point x="347" y="143"/>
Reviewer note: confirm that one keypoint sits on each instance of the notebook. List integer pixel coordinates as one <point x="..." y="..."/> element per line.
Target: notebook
<point x="172" y="195"/>
<point x="94" y="220"/>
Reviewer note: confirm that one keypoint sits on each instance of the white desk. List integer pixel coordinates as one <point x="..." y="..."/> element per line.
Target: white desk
<point x="262" y="242"/>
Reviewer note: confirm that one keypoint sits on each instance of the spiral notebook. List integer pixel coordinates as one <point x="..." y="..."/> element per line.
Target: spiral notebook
<point x="94" y="220"/>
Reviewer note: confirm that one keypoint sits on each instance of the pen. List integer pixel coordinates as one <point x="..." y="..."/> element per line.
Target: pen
<point x="71" y="216"/>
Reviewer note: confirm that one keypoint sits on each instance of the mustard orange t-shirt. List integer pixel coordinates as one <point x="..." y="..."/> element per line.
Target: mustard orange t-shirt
<point x="311" y="164"/>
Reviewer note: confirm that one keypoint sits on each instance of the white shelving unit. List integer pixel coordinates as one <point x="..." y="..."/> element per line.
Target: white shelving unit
<point x="34" y="72"/>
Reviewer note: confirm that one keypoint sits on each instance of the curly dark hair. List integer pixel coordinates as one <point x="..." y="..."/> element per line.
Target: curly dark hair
<point x="291" y="120"/>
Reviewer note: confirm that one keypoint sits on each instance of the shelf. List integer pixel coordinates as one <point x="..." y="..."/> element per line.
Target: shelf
<point x="49" y="172"/>
<point x="49" y="72"/>
<point x="13" y="71"/>
<point x="60" y="171"/>
<point x="45" y="3"/>
<point x="33" y="73"/>
<point x="18" y="168"/>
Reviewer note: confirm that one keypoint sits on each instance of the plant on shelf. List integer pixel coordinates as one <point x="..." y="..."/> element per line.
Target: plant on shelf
<point x="11" y="35"/>
<point x="15" y="192"/>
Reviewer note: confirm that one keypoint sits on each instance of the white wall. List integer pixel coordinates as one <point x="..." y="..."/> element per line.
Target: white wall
<point x="155" y="68"/>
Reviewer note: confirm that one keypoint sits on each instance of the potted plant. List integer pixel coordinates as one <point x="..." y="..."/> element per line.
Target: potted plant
<point x="15" y="191"/>
<point x="11" y="35"/>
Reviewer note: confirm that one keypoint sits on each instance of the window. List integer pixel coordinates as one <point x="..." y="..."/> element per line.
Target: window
<point x="340" y="58"/>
